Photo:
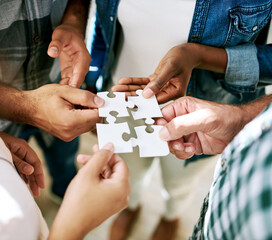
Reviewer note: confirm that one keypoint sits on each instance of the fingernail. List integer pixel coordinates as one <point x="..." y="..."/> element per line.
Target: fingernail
<point x="109" y="146"/>
<point x="177" y="147"/>
<point x="164" y="134"/>
<point x="28" y="169"/>
<point x="147" y="93"/>
<point x="53" y="50"/>
<point x="98" y="101"/>
<point x="188" y="149"/>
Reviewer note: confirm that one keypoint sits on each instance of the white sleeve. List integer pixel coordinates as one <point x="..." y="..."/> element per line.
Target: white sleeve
<point x="19" y="218"/>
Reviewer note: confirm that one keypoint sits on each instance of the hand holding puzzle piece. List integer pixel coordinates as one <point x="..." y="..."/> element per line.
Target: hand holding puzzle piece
<point x="150" y="144"/>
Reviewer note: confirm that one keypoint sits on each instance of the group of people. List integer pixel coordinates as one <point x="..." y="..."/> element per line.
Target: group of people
<point x="213" y="52"/>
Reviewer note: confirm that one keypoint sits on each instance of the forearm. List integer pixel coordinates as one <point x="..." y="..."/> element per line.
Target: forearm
<point x="62" y="232"/>
<point x="15" y="104"/>
<point x="76" y="14"/>
<point x="209" y="58"/>
<point x="251" y="110"/>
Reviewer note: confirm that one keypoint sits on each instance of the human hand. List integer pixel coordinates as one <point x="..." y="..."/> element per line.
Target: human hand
<point x="171" y="77"/>
<point x="63" y="111"/>
<point x="68" y="44"/>
<point x="91" y="197"/>
<point x="26" y="161"/>
<point x="194" y="126"/>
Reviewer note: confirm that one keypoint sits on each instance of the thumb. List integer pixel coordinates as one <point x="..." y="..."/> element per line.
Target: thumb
<point x="184" y="125"/>
<point x="57" y="44"/>
<point x="81" y="97"/>
<point x="100" y="159"/>
<point x="162" y="76"/>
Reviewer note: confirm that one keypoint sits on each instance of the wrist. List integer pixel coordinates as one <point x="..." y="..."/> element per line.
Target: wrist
<point x="76" y="15"/>
<point x="71" y="27"/>
<point x="209" y="58"/>
<point x="195" y="52"/>
<point x="19" y="106"/>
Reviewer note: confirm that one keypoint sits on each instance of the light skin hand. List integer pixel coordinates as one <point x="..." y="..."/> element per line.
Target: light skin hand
<point x="63" y="111"/>
<point x="68" y="44"/>
<point x="26" y="161"/>
<point x="171" y="77"/>
<point x="193" y="126"/>
<point x="91" y="198"/>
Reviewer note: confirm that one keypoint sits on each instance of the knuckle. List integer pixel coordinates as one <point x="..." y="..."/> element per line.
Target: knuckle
<point x="86" y="97"/>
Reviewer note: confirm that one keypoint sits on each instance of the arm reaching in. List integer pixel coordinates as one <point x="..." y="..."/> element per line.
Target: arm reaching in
<point x="194" y="126"/>
<point x="91" y="198"/>
<point x="68" y="44"/>
<point x="26" y="161"/>
<point x="60" y="110"/>
<point x="171" y="77"/>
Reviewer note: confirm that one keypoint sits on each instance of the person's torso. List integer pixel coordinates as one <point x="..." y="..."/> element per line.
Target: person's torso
<point x="149" y="29"/>
<point x="215" y="23"/>
<point x="25" y="33"/>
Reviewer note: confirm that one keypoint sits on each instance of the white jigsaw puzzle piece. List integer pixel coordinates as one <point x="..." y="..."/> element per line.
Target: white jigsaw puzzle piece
<point x="148" y="108"/>
<point x="113" y="133"/>
<point x="150" y="144"/>
<point x="117" y="104"/>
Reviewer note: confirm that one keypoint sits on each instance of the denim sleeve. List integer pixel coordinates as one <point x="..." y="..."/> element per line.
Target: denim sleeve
<point x="242" y="73"/>
<point x="265" y="62"/>
<point x="98" y="49"/>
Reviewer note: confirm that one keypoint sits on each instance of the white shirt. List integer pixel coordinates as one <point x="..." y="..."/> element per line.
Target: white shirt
<point x="150" y="28"/>
<point x="20" y="217"/>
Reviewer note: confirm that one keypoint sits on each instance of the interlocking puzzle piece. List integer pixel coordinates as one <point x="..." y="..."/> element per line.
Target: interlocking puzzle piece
<point x="116" y="104"/>
<point x="150" y="144"/>
<point x="147" y="107"/>
<point x="113" y="133"/>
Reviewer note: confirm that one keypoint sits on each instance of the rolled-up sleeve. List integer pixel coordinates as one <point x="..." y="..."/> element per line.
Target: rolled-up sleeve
<point x="243" y="70"/>
<point x="265" y="62"/>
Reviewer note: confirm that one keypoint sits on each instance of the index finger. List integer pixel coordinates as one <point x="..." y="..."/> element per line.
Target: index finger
<point x="120" y="170"/>
<point x="81" y="97"/>
<point x="161" y="77"/>
<point x="81" y="65"/>
<point x="24" y="152"/>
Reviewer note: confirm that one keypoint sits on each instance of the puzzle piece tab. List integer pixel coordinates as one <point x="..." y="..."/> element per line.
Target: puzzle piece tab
<point x="116" y="104"/>
<point x="150" y="144"/>
<point x="148" y="108"/>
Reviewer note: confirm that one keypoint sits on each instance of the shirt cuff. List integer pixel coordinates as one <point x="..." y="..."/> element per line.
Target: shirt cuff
<point x="243" y="67"/>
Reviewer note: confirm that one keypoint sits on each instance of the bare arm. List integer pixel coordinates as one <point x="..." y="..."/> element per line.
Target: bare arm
<point x="76" y="14"/>
<point x="194" y="126"/>
<point x="171" y="77"/>
<point x="61" y="110"/>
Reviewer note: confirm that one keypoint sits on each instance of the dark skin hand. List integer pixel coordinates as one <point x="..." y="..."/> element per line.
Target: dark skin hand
<point x="171" y="77"/>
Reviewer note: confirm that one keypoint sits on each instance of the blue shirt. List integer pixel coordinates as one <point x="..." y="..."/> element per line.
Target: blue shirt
<point x="234" y="25"/>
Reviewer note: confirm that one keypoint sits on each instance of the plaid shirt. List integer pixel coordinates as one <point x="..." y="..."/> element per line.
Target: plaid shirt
<point x="26" y="28"/>
<point x="239" y="204"/>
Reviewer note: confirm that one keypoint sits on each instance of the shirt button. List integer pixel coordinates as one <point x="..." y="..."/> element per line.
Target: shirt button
<point x="265" y="126"/>
<point x="37" y="39"/>
<point x="255" y="28"/>
<point x="223" y="162"/>
<point x="111" y="18"/>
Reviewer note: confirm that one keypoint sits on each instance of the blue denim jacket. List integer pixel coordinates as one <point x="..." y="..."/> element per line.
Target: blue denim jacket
<point x="234" y="25"/>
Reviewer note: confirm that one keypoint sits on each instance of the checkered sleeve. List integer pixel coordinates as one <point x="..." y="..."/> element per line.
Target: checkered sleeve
<point x="240" y="198"/>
